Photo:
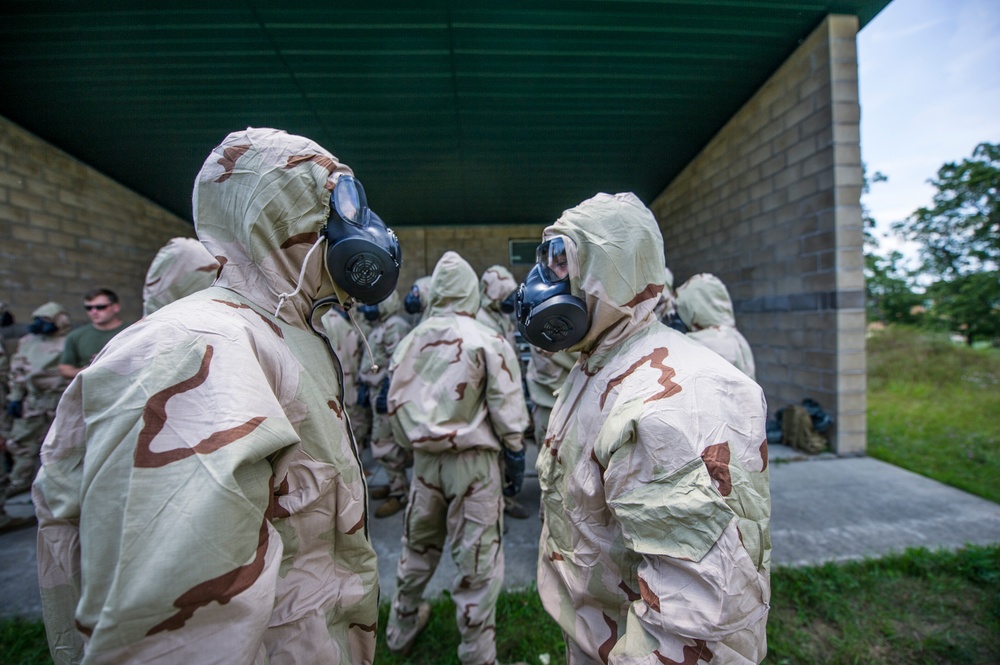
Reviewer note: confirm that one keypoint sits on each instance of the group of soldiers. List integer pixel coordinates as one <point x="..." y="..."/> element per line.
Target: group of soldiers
<point x="202" y="494"/>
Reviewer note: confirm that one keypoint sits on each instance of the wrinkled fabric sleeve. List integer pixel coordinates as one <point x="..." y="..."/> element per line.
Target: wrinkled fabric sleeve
<point x="164" y="462"/>
<point x="504" y="395"/>
<point x="19" y="372"/>
<point x="688" y="585"/>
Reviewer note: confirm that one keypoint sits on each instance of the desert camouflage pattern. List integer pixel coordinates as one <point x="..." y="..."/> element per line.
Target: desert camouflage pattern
<point x="345" y="339"/>
<point x="667" y="306"/>
<point x="546" y="373"/>
<point x="34" y="380"/>
<point x="5" y="419"/>
<point x="456" y="385"/>
<point x="181" y="267"/>
<point x="423" y="285"/>
<point x="494" y="286"/>
<point x="386" y="335"/>
<point x="655" y="543"/>
<point x="456" y="398"/>
<point x="704" y="305"/>
<point x="201" y="499"/>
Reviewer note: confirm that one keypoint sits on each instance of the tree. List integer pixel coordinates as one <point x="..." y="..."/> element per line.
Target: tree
<point x="960" y="234"/>
<point x="889" y="297"/>
<point x="959" y="239"/>
<point x="971" y="303"/>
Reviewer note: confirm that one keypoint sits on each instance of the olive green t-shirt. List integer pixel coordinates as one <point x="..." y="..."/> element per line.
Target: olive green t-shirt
<point x="85" y="342"/>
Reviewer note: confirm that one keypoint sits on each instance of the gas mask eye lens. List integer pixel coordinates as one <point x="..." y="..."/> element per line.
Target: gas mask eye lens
<point x="349" y="200"/>
<point x="551" y="256"/>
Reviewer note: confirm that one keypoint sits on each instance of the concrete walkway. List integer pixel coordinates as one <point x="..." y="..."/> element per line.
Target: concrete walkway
<point x="823" y="509"/>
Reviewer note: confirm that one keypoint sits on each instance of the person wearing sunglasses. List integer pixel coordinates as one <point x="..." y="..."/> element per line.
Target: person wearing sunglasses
<point x="85" y="342"/>
<point x="201" y="497"/>
<point x="655" y="543"/>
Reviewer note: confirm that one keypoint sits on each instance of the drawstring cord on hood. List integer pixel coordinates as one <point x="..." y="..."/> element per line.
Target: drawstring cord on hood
<point x="283" y="297"/>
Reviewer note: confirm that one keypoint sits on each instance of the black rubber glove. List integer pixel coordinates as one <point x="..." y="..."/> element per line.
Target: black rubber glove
<point x="513" y="471"/>
<point x="14" y="408"/>
<point x="363" y="396"/>
<point x="382" y="399"/>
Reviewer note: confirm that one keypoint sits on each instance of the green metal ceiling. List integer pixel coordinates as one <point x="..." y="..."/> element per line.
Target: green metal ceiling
<point x="450" y="112"/>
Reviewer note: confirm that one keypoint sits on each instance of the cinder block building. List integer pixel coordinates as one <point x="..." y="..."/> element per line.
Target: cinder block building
<point x="737" y="123"/>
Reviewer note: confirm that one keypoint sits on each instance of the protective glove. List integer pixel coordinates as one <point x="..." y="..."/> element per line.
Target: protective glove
<point x="14" y="408"/>
<point x="363" y="399"/>
<point x="513" y="471"/>
<point x="382" y="399"/>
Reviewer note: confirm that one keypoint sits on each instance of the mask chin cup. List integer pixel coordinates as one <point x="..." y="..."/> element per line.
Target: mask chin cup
<point x="509" y="304"/>
<point x="364" y="262"/>
<point x="370" y="312"/>
<point x="412" y="303"/>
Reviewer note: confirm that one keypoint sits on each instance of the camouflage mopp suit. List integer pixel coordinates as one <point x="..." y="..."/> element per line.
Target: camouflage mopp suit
<point x="655" y="544"/>
<point x="35" y="382"/>
<point x="456" y="399"/>
<point x="201" y="498"/>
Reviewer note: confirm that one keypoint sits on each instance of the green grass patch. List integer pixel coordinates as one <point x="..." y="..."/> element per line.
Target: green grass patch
<point x="919" y="607"/>
<point x="933" y="409"/>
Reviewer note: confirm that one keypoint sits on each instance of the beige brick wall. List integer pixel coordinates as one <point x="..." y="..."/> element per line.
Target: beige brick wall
<point x="772" y="206"/>
<point x="66" y="228"/>
<point x="481" y="246"/>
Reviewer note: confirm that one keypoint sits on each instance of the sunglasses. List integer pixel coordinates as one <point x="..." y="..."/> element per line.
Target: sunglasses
<point x="99" y="308"/>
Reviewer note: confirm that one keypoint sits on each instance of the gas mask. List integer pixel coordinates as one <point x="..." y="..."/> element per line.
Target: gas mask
<point x="363" y="254"/>
<point x="548" y="315"/>
<point x="42" y="326"/>
<point x="370" y="312"/>
<point x="509" y="304"/>
<point x="412" y="301"/>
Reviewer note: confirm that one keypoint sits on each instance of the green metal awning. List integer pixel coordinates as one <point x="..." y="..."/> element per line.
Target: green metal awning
<point x="449" y="112"/>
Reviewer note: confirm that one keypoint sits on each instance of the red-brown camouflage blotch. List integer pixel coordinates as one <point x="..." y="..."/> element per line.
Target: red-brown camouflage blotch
<point x="716" y="460"/>
<point x="228" y="160"/>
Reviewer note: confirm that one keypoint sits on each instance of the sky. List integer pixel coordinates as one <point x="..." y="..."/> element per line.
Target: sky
<point x="929" y="85"/>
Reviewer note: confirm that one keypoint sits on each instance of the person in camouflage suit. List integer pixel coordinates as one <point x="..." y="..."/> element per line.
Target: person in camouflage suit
<point x="655" y="544"/>
<point x="345" y="338"/>
<point x="181" y="267"/>
<point x="415" y="301"/>
<point x="389" y="329"/>
<point x="201" y="498"/>
<point x="704" y="305"/>
<point x="495" y="286"/>
<point x="5" y="418"/>
<point x="547" y="371"/>
<point x="456" y="399"/>
<point x="34" y="389"/>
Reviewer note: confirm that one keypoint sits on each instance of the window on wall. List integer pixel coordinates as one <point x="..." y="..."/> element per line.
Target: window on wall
<point x="522" y="251"/>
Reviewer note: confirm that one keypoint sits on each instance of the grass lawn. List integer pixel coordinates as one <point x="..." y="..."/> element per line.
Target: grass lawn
<point x="934" y="408"/>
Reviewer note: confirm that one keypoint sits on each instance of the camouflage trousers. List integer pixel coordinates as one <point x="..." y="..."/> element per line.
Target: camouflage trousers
<point x="390" y="455"/>
<point x="24" y="444"/>
<point x="455" y="497"/>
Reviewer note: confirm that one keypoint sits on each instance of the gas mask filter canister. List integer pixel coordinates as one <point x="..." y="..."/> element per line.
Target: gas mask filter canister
<point x="548" y="315"/>
<point x="363" y="254"/>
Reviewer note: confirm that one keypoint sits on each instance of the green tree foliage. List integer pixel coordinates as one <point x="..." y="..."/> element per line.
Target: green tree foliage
<point x="960" y="234"/>
<point x="889" y="294"/>
<point x="959" y="239"/>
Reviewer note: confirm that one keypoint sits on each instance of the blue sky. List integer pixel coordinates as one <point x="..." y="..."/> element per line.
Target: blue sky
<point x="929" y="80"/>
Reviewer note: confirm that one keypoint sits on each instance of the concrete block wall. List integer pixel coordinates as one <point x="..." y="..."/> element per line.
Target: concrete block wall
<point x="481" y="246"/>
<point x="772" y="206"/>
<point x="66" y="228"/>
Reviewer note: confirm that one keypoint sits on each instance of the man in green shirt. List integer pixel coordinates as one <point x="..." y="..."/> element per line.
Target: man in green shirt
<point x="85" y="342"/>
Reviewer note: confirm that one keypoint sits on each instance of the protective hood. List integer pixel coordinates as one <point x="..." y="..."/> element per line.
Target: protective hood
<point x="390" y="306"/>
<point x="454" y="286"/>
<point x="56" y="312"/>
<point x="496" y="284"/>
<point x="260" y="201"/>
<point x="704" y="302"/>
<point x="618" y="267"/>
<point x="181" y="267"/>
